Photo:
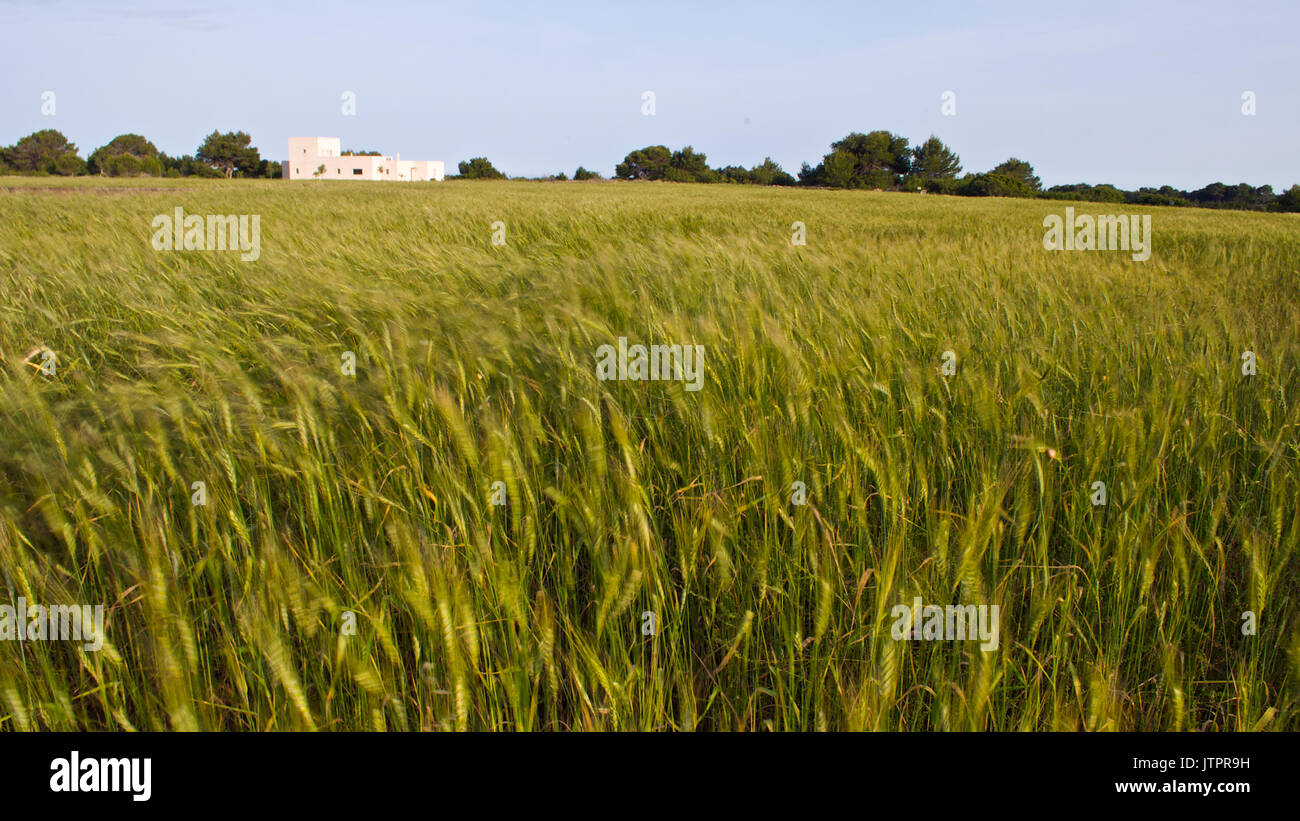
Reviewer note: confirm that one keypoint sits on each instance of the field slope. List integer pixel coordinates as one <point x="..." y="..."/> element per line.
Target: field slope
<point x="348" y="569"/>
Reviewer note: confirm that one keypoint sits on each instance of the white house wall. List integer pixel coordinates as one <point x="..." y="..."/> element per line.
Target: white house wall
<point x="321" y="158"/>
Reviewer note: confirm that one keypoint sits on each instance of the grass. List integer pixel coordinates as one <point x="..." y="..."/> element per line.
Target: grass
<point x="329" y="494"/>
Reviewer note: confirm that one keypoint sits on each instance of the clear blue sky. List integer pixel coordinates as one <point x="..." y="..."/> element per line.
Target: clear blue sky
<point x="1132" y="93"/>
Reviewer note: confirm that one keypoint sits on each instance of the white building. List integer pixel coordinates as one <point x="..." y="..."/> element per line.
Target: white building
<point x="320" y="158"/>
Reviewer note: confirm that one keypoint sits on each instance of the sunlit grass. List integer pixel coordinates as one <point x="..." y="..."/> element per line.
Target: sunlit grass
<point x="475" y="364"/>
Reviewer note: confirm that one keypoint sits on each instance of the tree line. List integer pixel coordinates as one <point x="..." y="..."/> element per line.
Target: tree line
<point x="480" y="168"/>
<point x="886" y="161"/>
<point x="229" y="155"/>
<point x="876" y="160"/>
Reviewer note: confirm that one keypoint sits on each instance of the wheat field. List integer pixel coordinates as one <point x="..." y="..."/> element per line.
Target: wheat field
<point x="348" y="568"/>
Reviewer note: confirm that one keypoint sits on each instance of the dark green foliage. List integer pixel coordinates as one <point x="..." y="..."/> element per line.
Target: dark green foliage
<point x="128" y="165"/>
<point x="876" y="160"/>
<point x="1084" y="191"/>
<point x="479" y="168"/>
<point x="45" y="152"/>
<point x="932" y="160"/>
<point x="1164" y="195"/>
<point x="940" y="185"/>
<point x="647" y="163"/>
<point x="127" y="155"/>
<point x="770" y="173"/>
<point x="1020" y="171"/>
<point x="876" y="154"/>
<point x="230" y="153"/>
<point x="657" y="162"/>
<point x="1241" y="197"/>
<point x="993" y="184"/>
<point x="767" y="172"/>
<point x="187" y="166"/>
<point x="269" y="169"/>
<point x="1289" y="201"/>
<point x="68" y="165"/>
<point x="688" y="165"/>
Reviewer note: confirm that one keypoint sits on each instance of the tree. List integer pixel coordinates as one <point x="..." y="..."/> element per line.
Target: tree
<point x="839" y="167"/>
<point x="270" y="169"/>
<point x="647" y="163"/>
<point x="126" y="155"/>
<point x="656" y="162"/>
<point x="1289" y="200"/>
<point x="186" y="166"/>
<point x="932" y="161"/>
<point x="229" y="153"/>
<point x="765" y="173"/>
<point x="68" y="165"/>
<point x="479" y="168"/>
<point x="584" y="174"/>
<point x="879" y="158"/>
<point x="129" y="165"/>
<point x="689" y="165"/>
<point x="1241" y="196"/>
<point x="875" y="160"/>
<point x="1105" y="192"/>
<point x="736" y="174"/>
<point x="1084" y="191"/>
<point x="1019" y="170"/>
<point x="993" y="185"/>
<point x="1164" y="195"/>
<point x="770" y="173"/>
<point x="47" y="152"/>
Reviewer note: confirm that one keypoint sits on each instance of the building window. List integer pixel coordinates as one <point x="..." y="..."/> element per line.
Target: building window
<point x="357" y="171"/>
